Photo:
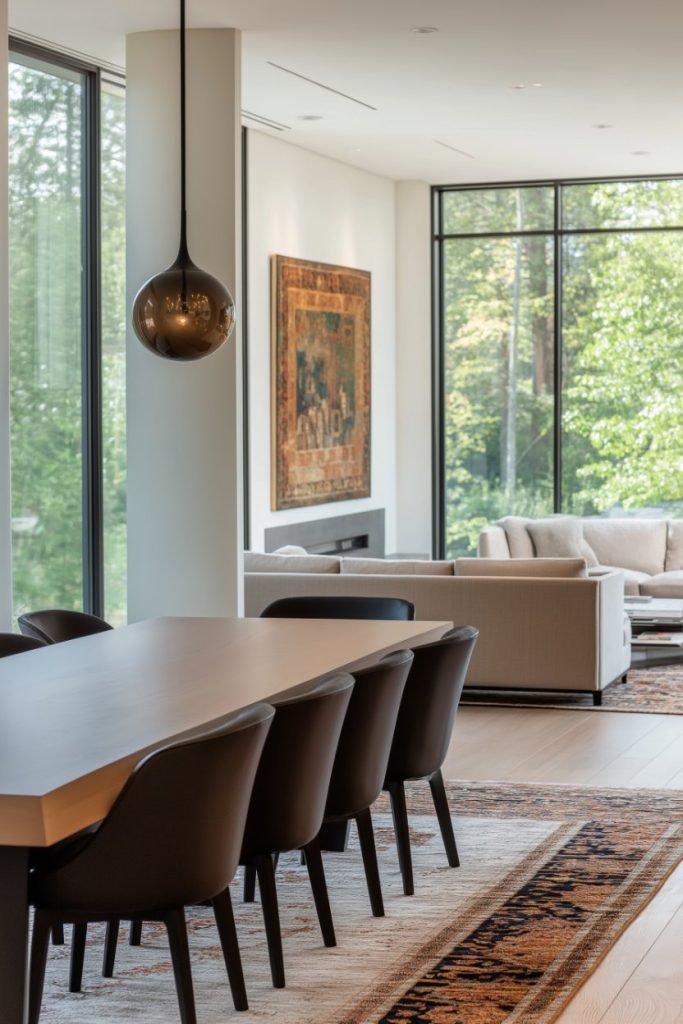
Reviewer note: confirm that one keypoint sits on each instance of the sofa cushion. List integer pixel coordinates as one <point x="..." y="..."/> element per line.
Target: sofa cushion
<point x="638" y="544"/>
<point x="549" y="567"/>
<point x="396" y="567"/>
<point x="674" y="546"/>
<point x="664" y="584"/>
<point x="255" y="561"/>
<point x="633" y="580"/>
<point x="518" y="537"/>
<point x="560" y="537"/>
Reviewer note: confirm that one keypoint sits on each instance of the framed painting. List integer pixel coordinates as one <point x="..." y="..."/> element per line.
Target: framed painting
<point x="320" y="383"/>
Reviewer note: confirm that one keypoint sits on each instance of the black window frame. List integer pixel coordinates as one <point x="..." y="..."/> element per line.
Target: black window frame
<point x="91" y="311"/>
<point x="557" y="233"/>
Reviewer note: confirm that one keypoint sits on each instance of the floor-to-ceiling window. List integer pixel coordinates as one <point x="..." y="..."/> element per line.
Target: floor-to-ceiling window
<point x="67" y="314"/>
<point x="559" y="351"/>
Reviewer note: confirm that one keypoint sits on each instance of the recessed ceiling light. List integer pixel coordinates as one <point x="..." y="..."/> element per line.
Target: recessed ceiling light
<point x="310" y="117"/>
<point x="518" y="85"/>
<point x="424" y="30"/>
<point x="536" y="85"/>
<point x="640" y="152"/>
<point x="603" y="126"/>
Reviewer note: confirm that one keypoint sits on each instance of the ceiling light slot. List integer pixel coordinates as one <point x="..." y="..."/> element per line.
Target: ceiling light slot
<point x="321" y="85"/>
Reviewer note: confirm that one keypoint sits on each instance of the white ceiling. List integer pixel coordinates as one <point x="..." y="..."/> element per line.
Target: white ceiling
<point x="615" y="62"/>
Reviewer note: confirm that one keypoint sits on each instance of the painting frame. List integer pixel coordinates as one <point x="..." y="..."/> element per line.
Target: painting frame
<point x="320" y="383"/>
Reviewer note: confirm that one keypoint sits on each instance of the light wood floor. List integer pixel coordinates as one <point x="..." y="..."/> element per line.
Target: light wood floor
<point x="641" y="979"/>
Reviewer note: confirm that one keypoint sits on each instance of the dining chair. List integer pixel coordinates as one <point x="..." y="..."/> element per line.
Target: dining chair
<point x="340" y="608"/>
<point x="362" y="755"/>
<point x="55" y="625"/>
<point x="288" y="801"/>
<point x="171" y="839"/>
<point x="423" y="732"/>
<point x="15" y="643"/>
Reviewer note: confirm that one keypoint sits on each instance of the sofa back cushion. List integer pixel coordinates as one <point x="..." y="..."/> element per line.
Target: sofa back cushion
<point x="571" y="568"/>
<point x="560" y="537"/>
<point x="255" y="561"/>
<point x="518" y="537"/>
<point x="674" y="546"/>
<point x="395" y="567"/>
<point x="638" y="544"/>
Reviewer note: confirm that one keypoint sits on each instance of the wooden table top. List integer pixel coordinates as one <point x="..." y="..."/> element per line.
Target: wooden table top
<point x="76" y="717"/>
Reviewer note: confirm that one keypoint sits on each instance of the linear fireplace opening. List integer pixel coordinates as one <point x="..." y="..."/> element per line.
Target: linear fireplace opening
<point x="357" y="533"/>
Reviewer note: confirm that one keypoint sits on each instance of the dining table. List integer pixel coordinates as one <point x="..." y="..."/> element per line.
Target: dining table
<point x="76" y="717"/>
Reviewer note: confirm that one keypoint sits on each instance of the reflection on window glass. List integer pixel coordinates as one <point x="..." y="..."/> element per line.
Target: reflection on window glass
<point x="481" y="211"/>
<point x="113" y="168"/>
<point x="45" y="200"/>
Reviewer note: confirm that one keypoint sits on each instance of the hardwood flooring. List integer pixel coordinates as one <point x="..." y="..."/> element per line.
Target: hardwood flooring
<point x="640" y="981"/>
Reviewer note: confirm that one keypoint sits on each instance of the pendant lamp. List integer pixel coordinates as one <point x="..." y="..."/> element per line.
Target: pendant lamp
<point x="183" y="313"/>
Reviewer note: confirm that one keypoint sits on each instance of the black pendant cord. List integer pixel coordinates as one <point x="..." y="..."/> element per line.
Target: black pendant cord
<point x="183" y="254"/>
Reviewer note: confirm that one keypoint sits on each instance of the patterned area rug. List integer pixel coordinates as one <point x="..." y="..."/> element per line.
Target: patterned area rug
<point x="648" y="690"/>
<point x="550" y="877"/>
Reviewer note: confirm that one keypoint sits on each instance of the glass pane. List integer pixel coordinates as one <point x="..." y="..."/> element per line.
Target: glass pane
<point x="623" y="204"/>
<point x="481" y="211"/>
<point x="113" y="111"/>
<point x="622" y="421"/>
<point x="498" y="400"/>
<point x="45" y="165"/>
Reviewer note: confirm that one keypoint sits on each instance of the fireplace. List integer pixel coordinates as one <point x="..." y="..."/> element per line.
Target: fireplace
<point x="358" y="533"/>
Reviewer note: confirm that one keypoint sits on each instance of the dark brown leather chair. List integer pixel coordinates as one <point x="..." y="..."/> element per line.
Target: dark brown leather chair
<point x="288" y="801"/>
<point x="54" y="625"/>
<point x="362" y="756"/>
<point x="423" y="732"/>
<point x="171" y="839"/>
<point x="340" y="608"/>
<point x="15" y="643"/>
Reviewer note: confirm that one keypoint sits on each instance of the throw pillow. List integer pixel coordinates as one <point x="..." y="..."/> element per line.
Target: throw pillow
<point x="560" y="538"/>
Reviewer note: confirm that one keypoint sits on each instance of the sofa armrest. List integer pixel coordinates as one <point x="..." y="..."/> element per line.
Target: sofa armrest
<point x="614" y="649"/>
<point x="493" y="543"/>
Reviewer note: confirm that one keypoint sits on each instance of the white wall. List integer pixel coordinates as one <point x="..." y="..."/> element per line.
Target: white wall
<point x="414" y="367"/>
<point x="310" y="207"/>
<point x="5" y="511"/>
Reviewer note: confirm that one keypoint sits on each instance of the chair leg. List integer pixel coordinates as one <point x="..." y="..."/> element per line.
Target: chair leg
<point x="180" y="955"/>
<point x="225" y="921"/>
<point x="135" y="938"/>
<point x="80" y="932"/>
<point x="316" y="874"/>
<point x="58" y="934"/>
<point x="366" y="837"/>
<point x="39" y="949"/>
<point x="400" y="815"/>
<point x="249" y="883"/>
<point x="110" y="942"/>
<point x="271" y="918"/>
<point x="444" y="816"/>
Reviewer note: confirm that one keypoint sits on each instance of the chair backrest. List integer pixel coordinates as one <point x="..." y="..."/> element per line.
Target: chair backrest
<point x="174" y="834"/>
<point x="363" y="752"/>
<point x="54" y="625"/>
<point x="340" y="608"/>
<point x="288" y="802"/>
<point x="15" y="643"/>
<point x="430" y="700"/>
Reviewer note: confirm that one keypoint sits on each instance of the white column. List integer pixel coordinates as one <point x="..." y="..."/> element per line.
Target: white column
<point x="5" y="506"/>
<point x="184" y="420"/>
<point x="413" y="368"/>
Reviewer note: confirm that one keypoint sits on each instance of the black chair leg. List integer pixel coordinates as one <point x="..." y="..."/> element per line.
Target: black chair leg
<point x="110" y="942"/>
<point x="366" y="837"/>
<point x="316" y="874"/>
<point x="58" y="934"/>
<point x="180" y="955"/>
<point x="271" y="918"/>
<point x="225" y="921"/>
<point x="249" y="883"/>
<point x="400" y="815"/>
<point x="39" y="949"/>
<point x="135" y="938"/>
<point x="444" y="816"/>
<point x="80" y="932"/>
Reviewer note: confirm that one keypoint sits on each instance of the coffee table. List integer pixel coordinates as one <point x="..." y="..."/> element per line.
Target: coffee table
<point x="660" y="615"/>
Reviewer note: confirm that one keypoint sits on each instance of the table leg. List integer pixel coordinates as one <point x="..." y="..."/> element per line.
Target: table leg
<point x="334" y="835"/>
<point x="13" y="934"/>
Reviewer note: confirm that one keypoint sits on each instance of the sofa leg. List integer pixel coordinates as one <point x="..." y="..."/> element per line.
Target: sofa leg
<point x="624" y="678"/>
<point x="597" y="698"/>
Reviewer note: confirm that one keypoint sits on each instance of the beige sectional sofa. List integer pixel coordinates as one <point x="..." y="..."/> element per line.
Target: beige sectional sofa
<point x="648" y="551"/>
<point x="549" y="626"/>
